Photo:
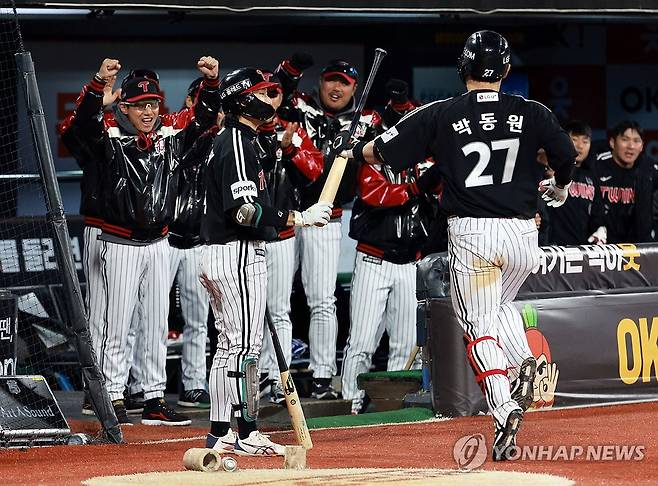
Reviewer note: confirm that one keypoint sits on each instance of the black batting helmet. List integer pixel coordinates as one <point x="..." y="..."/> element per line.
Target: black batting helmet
<point x="236" y="92"/>
<point x="485" y="57"/>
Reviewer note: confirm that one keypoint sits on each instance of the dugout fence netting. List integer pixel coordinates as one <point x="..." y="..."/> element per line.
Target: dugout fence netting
<point x="41" y="312"/>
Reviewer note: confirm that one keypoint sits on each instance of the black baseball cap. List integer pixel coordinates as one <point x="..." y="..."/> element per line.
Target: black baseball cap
<point x="137" y="89"/>
<point x="193" y="88"/>
<point x="341" y="68"/>
<point x="141" y="73"/>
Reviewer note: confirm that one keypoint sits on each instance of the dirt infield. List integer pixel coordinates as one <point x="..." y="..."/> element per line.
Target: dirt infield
<point x="418" y="445"/>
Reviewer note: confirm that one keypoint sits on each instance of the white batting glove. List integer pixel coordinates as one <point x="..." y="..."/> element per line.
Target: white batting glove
<point x="317" y="215"/>
<point x="552" y="193"/>
<point x="599" y="237"/>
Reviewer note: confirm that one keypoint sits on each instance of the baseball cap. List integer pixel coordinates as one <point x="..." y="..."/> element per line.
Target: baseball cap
<point x="140" y="73"/>
<point x="142" y="88"/>
<point x="193" y="88"/>
<point x="341" y="68"/>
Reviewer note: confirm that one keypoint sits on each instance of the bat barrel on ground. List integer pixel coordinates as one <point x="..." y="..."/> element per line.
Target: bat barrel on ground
<point x="339" y="163"/>
<point x="293" y="403"/>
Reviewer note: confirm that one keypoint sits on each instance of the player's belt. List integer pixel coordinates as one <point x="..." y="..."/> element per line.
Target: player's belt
<point x="398" y="258"/>
<point x="137" y="234"/>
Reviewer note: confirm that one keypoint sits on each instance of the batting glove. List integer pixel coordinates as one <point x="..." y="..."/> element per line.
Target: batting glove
<point x="317" y="215"/>
<point x="553" y="194"/>
<point x="599" y="237"/>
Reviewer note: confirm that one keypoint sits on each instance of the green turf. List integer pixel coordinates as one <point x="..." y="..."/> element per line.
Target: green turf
<point x="392" y="375"/>
<point x="414" y="414"/>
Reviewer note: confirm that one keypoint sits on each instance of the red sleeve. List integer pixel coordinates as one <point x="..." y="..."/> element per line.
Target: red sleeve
<point x="376" y="191"/>
<point x="307" y="158"/>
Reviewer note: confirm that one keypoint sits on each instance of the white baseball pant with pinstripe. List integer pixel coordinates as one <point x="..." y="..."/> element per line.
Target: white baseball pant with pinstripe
<point x="185" y="268"/>
<point x="235" y="276"/>
<point x="133" y="279"/>
<point x="319" y="250"/>
<point x="282" y="260"/>
<point x="490" y="258"/>
<point x="383" y="297"/>
<point x="93" y="277"/>
<point x="91" y="266"/>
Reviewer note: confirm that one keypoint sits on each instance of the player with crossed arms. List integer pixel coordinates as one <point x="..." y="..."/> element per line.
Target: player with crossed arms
<point x="486" y="143"/>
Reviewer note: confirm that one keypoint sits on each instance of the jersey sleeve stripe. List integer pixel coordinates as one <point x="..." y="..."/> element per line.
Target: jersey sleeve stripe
<point x="239" y="159"/>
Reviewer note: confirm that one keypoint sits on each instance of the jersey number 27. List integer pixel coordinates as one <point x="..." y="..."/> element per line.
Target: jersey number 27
<point x="475" y="178"/>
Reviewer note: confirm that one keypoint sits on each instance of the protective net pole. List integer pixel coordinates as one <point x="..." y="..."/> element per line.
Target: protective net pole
<point x="56" y="218"/>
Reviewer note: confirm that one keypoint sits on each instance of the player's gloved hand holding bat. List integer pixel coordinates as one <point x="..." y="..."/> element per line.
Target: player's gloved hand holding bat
<point x="349" y="148"/>
<point x="317" y="215"/>
<point x="553" y="194"/>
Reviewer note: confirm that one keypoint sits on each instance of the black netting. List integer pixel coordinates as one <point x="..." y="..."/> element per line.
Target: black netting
<point x="39" y="306"/>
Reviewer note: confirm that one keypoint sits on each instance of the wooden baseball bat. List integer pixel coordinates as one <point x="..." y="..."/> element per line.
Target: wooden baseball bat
<point x="293" y="403"/>
<point x="412" y="357"/>
<point x="335" y="175"/>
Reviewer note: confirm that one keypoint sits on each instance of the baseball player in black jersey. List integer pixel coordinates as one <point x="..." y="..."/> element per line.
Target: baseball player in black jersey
<point x="323" y="117"/>
<point x="390" y="221"/>
<point x="289" y="159"/>
<point x="576" y="220"/>
<point x="238" y="219"/>
<point x="486" y="144"/>
<point x="625" y="182"/>
<point x="137" y="153"/>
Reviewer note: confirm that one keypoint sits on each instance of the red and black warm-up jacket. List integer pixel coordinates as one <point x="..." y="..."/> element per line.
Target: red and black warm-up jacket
<point x="137" y="176"/>
<point x="322" y="128"/>
<point x="392" y="214"/>
<point x="287" y="169"/>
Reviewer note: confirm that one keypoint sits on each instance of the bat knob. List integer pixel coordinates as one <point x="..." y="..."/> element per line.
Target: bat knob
<point x="381" y="51"/>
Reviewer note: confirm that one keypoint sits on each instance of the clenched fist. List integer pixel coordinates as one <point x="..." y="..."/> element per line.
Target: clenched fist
<point x="209" y="67"/>
<point x="108" y="69"/>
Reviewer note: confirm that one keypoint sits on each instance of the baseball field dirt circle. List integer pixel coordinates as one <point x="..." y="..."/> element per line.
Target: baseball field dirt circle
<point x="327" y="477"/>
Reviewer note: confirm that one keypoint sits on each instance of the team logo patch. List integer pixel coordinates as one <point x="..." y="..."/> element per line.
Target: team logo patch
<point x="485" y="97"/>
<point x="389" y="134"/>
<point x="259" y="251"/>
<point x="244" y="189"/>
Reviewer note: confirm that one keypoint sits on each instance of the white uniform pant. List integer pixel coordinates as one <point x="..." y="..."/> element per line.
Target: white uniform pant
<point x="319" y="250"/>
<point x="185" y="268"/>
<point x="235" y="275"/>
<point x="133" y="280"/>
<point x="282" y="260"/>
<point x="383" y="297"/>
<point x="490" y="258"/>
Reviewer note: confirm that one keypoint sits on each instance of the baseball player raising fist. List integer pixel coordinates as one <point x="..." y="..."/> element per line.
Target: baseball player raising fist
<point x="238" y="219"/>
<point x="486" y="143"/>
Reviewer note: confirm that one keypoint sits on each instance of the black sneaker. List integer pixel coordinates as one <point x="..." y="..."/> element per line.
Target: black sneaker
<point x="157" y="412"/>
<point x="322" y="389"/>
<point x="134" y="403"/>
<point x="194" y="399"/>
<point x="505" y="437"/>
<point x="120" y="411"/>
<point x="522" y="389"/>
<point x="87" y="409"/>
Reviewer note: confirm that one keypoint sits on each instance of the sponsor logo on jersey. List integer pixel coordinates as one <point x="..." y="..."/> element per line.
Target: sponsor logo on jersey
<point x="485" y="97"/>
<point x="389" y="134"/>
<point x="244" y="189"/>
